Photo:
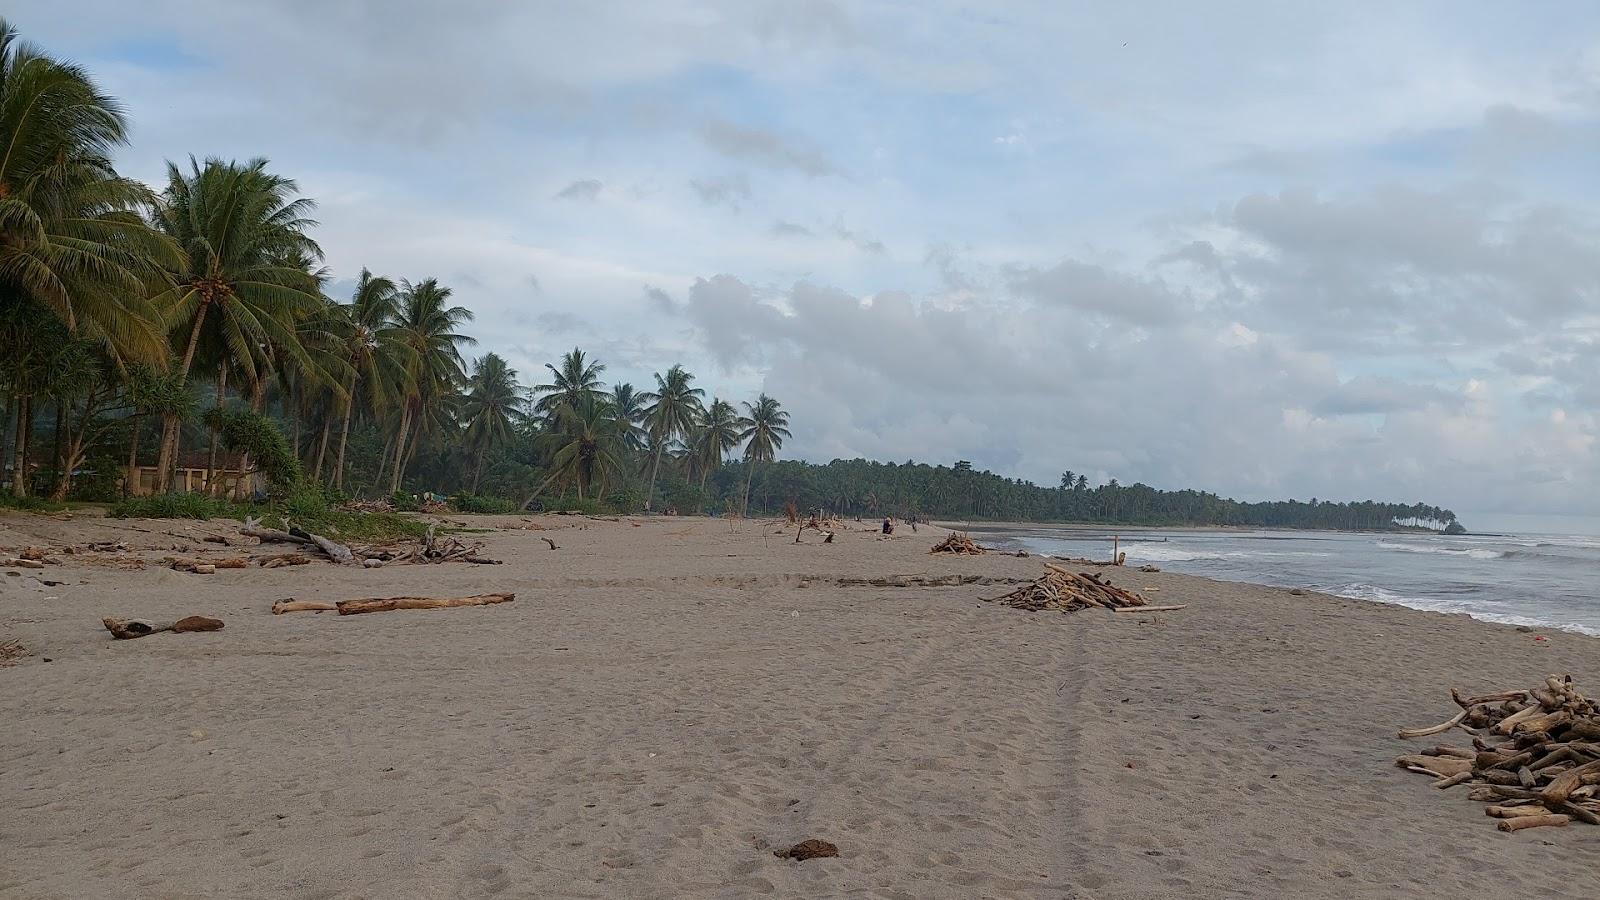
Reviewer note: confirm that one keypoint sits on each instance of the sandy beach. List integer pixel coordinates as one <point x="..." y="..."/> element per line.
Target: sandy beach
<point x="669" y="700"/>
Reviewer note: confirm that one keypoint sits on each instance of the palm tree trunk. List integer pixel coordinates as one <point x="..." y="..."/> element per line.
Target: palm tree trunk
<point x="749" y="475"/>
<point x="400" y="449"/>
<point x="128" y="480"/>
<point x="211" y="458"/>
<point x="19" y="473"/>
<point x="55" y="453"/>
<point x="344" y="436"/>
<point x="322" y="449"/>
<point x="650" y="495"/>
<point x="167" y="459"/>
<point x="477" y="471"/>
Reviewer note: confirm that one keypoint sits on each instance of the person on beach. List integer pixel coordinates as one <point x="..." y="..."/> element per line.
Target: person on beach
<point x="888" y="526"/>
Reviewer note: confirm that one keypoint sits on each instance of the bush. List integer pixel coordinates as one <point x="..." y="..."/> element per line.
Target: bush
<point x="404" y="502"/>
<point x="173" y="506"/>
<point x="307" y="502"/>
<point x="247" y="431"/>
<point x="472" y="503"/>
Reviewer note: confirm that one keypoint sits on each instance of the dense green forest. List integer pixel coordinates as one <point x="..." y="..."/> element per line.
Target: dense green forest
<point x="185" y="331"/>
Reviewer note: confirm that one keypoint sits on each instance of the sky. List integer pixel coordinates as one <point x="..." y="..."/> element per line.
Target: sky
<point x="1270" y="250"/>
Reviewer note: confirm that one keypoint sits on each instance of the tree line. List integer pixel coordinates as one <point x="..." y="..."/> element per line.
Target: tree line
<point x="196" y="316"/>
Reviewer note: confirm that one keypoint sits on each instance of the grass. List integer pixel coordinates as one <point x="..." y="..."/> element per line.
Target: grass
<point x="306" y="508"/>
<point x="9" y="500"/>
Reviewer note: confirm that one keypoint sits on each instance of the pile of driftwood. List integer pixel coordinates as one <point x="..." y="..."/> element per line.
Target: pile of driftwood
<point x="1068" y="591"/>
<point x="428" y="549"/>
<point x="1545" y="768"/>
<point x="957" y="542"/>
<point x="369" y="506"/>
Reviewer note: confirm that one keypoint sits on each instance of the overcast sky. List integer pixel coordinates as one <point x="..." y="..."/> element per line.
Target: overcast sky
<point x="1338" y="250"/>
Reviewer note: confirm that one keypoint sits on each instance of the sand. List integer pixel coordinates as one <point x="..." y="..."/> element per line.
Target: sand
<point x="666" y="703"/>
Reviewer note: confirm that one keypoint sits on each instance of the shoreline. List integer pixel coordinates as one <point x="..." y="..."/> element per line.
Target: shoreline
<point x="668" y="700"/>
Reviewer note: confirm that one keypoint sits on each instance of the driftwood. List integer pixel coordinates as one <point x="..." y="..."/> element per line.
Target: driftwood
<point x="22" y="563"/>
<point x="1171" y="607"/>
<point x="204" y="566"/>
<point x="1065" y="590"/>
<point x="127" y="629"/>
<point x="334" y="550"/>
<point x="550" y="542"/>
<point x="958" y="542"/>
<point x="386" y="604"/>
<point x="283" y="559"/>
<point x="1543" y="773"/>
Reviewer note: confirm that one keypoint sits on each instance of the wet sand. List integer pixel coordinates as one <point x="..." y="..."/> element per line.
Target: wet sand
<point x="667" y="701"/>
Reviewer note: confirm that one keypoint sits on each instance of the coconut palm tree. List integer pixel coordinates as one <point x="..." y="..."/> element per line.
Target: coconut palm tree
<point x="427" y="325"/>
<point x="72" y="238"/>
<point x="245" y="276"/>
<point x="766" y="426"/>
<point x="375" y="352"/>
<point x="492" y="410"/>
<point x="628" y="406"/>
<point x="586" y="444"/>
<point x="717" y="433"/>
<point x="577" y="380"/>
<point x="674" y="409"/>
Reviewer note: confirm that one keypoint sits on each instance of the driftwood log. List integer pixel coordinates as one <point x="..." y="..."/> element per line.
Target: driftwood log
<point x="127" y="629"/>
<point x="334" y="550"/>
<point x="386" y="604"/>
<point x="958" y="542"/>
<point x="1545" y="771"/>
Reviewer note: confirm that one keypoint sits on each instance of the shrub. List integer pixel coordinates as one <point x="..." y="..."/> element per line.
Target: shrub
<point x="472" y="503"/>
<point x="403" y="502"/>
<point x="247" y="431"/>
<point x="173" y="506"/>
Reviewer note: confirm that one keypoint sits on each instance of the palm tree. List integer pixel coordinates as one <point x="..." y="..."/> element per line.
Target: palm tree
<point x="628" y="406"/>
<point x="717" y="433"/>
<point x="587" y="447"/>
<point x="766" y="426"/>
<point x="244" y="234"/>
<point x="374" y="350"/>
<point x="577" y="380"/>
<point x="674" y="408"/>
<point x="493" y="408"/>
<point x="72" y="239"/>
<point x="427" y="327"/>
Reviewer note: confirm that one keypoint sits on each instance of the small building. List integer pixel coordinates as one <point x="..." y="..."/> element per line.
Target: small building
<point x="191" y="475"/>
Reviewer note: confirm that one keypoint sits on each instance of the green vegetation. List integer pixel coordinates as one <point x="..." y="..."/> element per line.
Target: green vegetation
<point x="175" y="506"/>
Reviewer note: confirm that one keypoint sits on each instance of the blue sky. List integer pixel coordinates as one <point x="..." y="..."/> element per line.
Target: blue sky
<point x="1267" y="249"/>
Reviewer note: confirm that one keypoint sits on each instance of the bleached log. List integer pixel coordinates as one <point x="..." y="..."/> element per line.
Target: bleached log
<point x="1145" y="609"/>
<point x="1521" y="822"/>
<point x="385" y="604"/>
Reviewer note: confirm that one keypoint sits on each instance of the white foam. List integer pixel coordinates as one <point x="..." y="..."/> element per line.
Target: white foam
<point x="1434" y="604"/>
<point x="1470" y="552"/>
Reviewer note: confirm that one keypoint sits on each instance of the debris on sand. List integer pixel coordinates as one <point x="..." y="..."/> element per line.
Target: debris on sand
<point x="1547" y="772"/>
<point x="1068" y="591"/>
<point x="958" y="542"/>
<point x="809" y="849"/>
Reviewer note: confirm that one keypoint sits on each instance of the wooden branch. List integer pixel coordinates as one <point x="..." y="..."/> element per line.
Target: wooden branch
<point x="356" y="607"/>
<point x="1409" y="733"/>
<point x="127" y="629"/>
<point x="288" y="606"/>
<point x="550" y="542"/>
<point x="1145" y="609"/>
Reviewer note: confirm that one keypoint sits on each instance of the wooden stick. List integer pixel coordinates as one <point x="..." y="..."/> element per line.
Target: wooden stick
<point x="127" y="629"/>
<point x="1521" y="822"/>
<point x="356" y="607"/>
<point x="1515" y="812"/>
<point x="1140" y="609"/>
<point x="289" y="606"/>
<point x="1434" y="729"/>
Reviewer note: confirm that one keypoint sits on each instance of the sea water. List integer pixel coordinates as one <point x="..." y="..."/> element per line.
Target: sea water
<point x="1541" y="580"/>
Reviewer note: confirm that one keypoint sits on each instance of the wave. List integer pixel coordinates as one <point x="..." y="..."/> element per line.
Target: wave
<point x="1469" y="552"/>
<point x="1362" y="591"/>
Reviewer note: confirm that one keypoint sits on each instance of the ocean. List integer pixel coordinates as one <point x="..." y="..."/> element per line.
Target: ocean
<point x="1540" y="580"/>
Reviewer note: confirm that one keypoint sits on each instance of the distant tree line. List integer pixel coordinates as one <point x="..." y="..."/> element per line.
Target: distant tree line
<point x="864" y="487"/>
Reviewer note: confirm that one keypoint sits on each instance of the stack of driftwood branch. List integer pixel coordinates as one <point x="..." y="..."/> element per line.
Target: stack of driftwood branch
<point x="1067" y="591"/>
<point x="387" y="604"/>
<point x="425" y="550"/>
<point x="1535" y="755"/>
<point x="957" y="542"/>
